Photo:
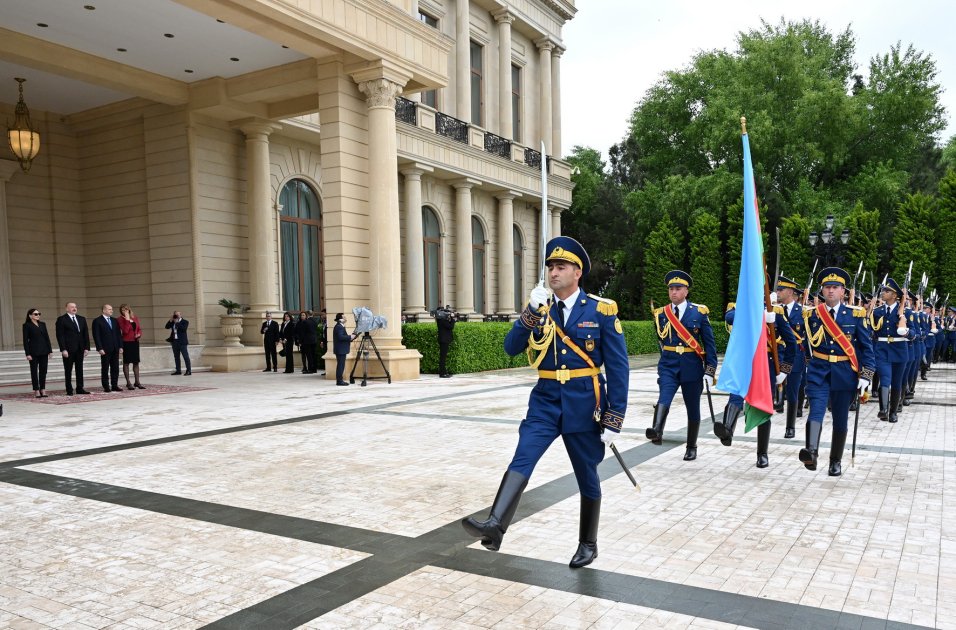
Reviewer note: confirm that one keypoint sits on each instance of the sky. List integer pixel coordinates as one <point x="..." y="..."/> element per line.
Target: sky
<point x="618" y="49"/>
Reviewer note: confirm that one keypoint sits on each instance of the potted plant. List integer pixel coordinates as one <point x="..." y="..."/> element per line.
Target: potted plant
<point x="231" y="322"/>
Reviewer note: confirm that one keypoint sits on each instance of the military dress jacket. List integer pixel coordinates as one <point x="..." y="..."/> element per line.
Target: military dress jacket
<point x="786" y="340"/>
<point x="594" y="329"/>
<point x="828" y="362"/>
<point x="679" y="362"/>
<point x="890" y="347"/>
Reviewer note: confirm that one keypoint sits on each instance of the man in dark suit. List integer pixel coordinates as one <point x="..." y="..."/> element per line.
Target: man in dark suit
<point x="445" y="318"/>
<point x="109" y="343"/>
<point x="270" y="337"/>
<point x="180" y="341"/>
<point x="73" y="339"/>
<point x="341" y="344"/>
<point x="323" y="325"/>
<point x="306" y="333"/>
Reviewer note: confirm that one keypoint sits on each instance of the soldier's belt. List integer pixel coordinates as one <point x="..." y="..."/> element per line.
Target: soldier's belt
<point x="678" y="349"/>
<point x="832" y="358"/>
<point x="891" y="339"/>
<point x="564" y="376"/>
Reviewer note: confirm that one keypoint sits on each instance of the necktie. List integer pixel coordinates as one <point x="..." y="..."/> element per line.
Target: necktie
<point x="75" y="323"/>
<point x="833" y="313"/>
<point x="109" y="323"/>
<point x="561" y="314"/>
<point x="676" y="312"/>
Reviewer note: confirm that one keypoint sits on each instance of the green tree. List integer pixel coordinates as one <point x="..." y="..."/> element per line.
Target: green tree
<point x="913" y="237"/>
<point x="734" y="222"/>
<point x="946" y="207"/>
<point x="795" y="257"/>
<point x="948" y="158"/>
<point x="705" y="255"/>
<point x="664" y="252"/>
<point x="864" y="226"/>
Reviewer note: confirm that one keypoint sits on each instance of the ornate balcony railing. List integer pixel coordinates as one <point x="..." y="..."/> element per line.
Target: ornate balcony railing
<point x="532" y="158"/>
<point x="450" y="127"/>
<point x="405" y="111"/>
<point x="497" y="145"/>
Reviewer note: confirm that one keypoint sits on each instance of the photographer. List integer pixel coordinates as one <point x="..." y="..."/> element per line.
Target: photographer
<point x="180" y="342"/>
<point x="445" y="318"/>
<point x="341" y="344"/>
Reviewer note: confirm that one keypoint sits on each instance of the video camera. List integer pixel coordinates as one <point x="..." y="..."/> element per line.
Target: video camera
<point x="366" y="322"/>
<point x="445" y="314"/>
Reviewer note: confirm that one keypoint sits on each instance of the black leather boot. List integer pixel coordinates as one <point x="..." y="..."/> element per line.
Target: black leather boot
<point x="725" y="428"/>
<point x="804" y="401"/>
<point x="656" y="433"/>
<point x="837" y="442"/>
<point x="922" y="371"/>
<point x="792" y="410"/>
<point x="779" y="398"/>
<point x="693" y="428"/>
<point x="808" y="455"/>
<point x="491" y="531"/>
<point x="763" y="444"/>
<point x="884" y="403"/>
<point x="587" y="533"/>
<point x="894" y="410"/>
<point x="855" y="403"/>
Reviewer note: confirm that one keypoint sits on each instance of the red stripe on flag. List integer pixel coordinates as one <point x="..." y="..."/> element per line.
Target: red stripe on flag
<point x="759" y="395"/>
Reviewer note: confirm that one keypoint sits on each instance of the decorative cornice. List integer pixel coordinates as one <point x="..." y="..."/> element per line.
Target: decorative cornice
<point x="563" y="9"/>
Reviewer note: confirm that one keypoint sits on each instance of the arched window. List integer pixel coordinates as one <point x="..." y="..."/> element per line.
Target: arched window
<point x="478" y="263"/>
<point x="431" y="234"/>
<point x="301" y="238"/>
<point x="519" y="268"/>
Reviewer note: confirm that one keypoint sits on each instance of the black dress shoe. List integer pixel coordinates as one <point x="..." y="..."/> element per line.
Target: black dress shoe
<point x="117" y="389"/>
<point x="342" y="383"/>
<point x="289" y="372"/>
<point x="176" y="373"/>
<point x="106" y="389"/>
<point x="267" y="370"/>
<point x="82" y="391"/>
<point x="188" y="373"/>
<point x="130" y="387"/>
<point x="69" y="393"/>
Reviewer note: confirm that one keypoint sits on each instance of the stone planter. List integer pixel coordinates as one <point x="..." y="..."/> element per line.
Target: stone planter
<point x="231" y="326"/>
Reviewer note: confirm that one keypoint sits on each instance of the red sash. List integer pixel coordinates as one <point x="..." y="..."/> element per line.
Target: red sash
<point x="682" y="332"/>
<point x="839" y="336"/>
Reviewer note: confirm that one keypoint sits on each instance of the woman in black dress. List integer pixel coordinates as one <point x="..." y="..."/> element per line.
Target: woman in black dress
<point x="131" y="331"/>
<point x="287" y="336"/>
<point x="37" y="346"/>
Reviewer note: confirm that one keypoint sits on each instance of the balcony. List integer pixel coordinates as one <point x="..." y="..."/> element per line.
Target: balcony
<point x="497" y="145"/>
<point x="406" y="111"/>
<point x="450" y="127"/>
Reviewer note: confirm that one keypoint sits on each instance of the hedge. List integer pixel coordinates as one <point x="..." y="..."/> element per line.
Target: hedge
<point x="479" y="346"/>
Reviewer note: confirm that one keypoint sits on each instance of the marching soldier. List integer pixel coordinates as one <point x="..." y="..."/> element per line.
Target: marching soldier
<point x="688" y="358"/>
<point x="840" y="365"/>
<point x="574" y="334"/>
<point x="787" y="346"/>
<point x="915" y="349"/>
<point x="929" y="326"/>
<point x="950" y="326"/>
<point x="891" y="334"/>
<point x="787" y="292"/>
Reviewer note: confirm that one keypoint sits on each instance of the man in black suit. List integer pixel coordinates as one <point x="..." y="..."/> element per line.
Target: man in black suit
<point x="180" y="341"/>
<point x="306" y="334"/>
<point x="109" y="343"/>
<point x="341" y="345"/>
<point x="270" y="337"/>
<point x="73" y="339"/>
<point x="445" y="318"/>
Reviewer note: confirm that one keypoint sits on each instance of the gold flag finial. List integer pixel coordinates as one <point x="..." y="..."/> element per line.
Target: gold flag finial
<point x="743" y="125"/>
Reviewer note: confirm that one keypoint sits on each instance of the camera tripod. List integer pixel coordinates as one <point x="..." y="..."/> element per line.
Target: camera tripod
<point x="363" y="354"/>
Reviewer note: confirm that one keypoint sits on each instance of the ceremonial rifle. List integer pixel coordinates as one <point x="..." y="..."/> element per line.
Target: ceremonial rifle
<point x="772" y="328"/>
<point x="806" y="291"/>
<point x="856" y="277"/>
<point x="906" y="287"/>
<point x="544" y="216"/>
<point x="856" y="422"/>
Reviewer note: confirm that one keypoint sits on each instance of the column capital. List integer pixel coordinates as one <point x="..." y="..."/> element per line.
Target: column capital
<point x="380" y="81"/>
<point x="505" y="195"/>
<point x="415" y="170"/>
<point x="545" y="43"/>
<point x="503" y="16"/>
<point x="255" y="126"/>
<point x="558" y="50"/>
<point x="465" y="182"/>
<point x="7" y="169"/>
<point x="380" y="92"/>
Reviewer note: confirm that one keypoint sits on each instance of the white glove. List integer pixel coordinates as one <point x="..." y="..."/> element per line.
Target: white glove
<point x="773" y="297"/>
<point x="539" y="296"/>
<point x="781" y="378"/>
<point x="902" y="331"/>
<point x="708" y="380"/>
<point x="607" y="436"/>
<point x="862" y="384"/>
<point x="770" y="317"/>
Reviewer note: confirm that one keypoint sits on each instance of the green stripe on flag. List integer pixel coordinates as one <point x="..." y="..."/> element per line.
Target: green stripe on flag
<point x="755" y="417"/>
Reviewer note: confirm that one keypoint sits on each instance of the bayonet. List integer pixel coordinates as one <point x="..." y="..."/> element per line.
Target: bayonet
<point x="810" y="279"/>
<point x="909" y="276"/>
<point x="545" y="222"/>
<point x="776" y="267"/>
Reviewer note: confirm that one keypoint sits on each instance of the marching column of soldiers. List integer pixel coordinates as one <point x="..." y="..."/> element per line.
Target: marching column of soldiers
<point x="831" y="351"/>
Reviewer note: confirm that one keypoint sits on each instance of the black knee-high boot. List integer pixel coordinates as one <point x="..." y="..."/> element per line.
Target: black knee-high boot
<point x="837" y="442"/>
<point x="693" y="428"/>
<point x="792" y="411"/>
<point x="808" y="455"/>
<point x="895" y="396"/>
<point x="725" y="428"/>
<point x="763" y="444"/>
<point x="492" y="530"/>
<point x="587" y="533"/>
<point x="656" y="433"/>
<point x="884" y="403"/>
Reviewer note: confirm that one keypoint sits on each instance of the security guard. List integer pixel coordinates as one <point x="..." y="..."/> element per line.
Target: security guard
<point x="840" y="365"/>
<point x="891" y="334"/>
<point x="573" y="334"/>
<point x="786" y="348"/>
<point x="787" y="293"/>
<point x="688" y="358"/>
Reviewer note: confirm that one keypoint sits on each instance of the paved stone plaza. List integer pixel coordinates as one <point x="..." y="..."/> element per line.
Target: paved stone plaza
<point x="281" y="501"/>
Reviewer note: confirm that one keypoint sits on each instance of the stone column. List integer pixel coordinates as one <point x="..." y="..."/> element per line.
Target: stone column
<point x="464" y="270"/>
<point x="385" y="248"/>
<point x="555" y="221"/>
<point x="263" y="275"/>
<point x="8" y="334"/>
<point x="414" y="248"/>
<point x="505" y="118"/>
<point x="556" y="101"/>
<point x="545" y="46"/>
<point x="506" y="248"/>
<point x="463" y="60"/>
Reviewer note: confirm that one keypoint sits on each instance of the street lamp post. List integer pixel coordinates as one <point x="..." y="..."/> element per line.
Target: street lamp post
<point x="831" y="246"/>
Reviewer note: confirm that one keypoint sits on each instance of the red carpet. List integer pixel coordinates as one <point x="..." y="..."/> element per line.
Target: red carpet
<point x="59" y="397"/>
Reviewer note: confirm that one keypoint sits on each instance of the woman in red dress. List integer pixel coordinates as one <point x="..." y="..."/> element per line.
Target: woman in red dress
<point x="132" y="331"/>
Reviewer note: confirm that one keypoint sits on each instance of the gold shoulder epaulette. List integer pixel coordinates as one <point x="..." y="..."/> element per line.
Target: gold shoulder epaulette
<point x="604" y="306"/>
<point x="658" y="311"/>
<point x="730" y="305"/>
<point x="779" y="310"/>
<point x="859" y="311"/>
<point x="703" y="309"/>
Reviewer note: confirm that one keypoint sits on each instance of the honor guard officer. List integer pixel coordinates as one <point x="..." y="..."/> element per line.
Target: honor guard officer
<point x="840" y="365"/>
<point x="892" y="348"/>
<point x="574" y="334"/>
<point x="929" y="325"/>
<point x="688" y="358"/>
<point x="950" y="326"/>
<point x="915" y="350"/>
<point x="787" y="293"/>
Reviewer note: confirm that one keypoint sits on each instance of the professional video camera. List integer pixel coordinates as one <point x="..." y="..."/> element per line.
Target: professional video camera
<point x="445" y="313"/>
<point x="366" y="322"/>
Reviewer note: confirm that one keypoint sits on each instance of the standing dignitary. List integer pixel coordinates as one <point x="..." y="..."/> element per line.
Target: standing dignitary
<point x="179" y="338"/>
<point x="341" y="344"/>
<point x="445" y="319"/>
<point x="306" y="334"/>
<point x="131" y="330"/>
<point x="287" y="335"/>
<point x="840" y="366"/>
<point x="37" y="346"/>
<point x="891" y="352"/>
<point x="574" y="334"/>
<point x="270" y="339"/>
<point x="73" y="339"/>
<point x="688" y="358"/>
<point x="787" y="292"/>
<point x="109" y="343"/>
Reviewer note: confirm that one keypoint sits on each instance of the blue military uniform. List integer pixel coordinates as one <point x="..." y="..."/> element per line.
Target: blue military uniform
<point x="680" y="365"/>
<point x="949" y="323"/>
<point x="891" y="351"/>
<point x="929" y="341"/>
<point x="916" y="349"/>
<point x="568" y="342"/>
<point x="798" y="374"/>
<point x="831" y="376"/>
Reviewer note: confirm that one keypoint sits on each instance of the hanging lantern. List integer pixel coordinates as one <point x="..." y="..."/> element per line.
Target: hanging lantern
<point x="24" y="140"/>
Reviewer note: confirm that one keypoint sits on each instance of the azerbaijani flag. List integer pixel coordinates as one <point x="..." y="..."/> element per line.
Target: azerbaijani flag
<point x="746" y="371"/>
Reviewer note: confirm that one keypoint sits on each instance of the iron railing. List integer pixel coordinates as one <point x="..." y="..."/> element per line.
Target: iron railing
<point x="451" y="127"/>
<point x="532" y="158"/>
<point x="497" y="145"/>
<point x="405" y="111"/>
